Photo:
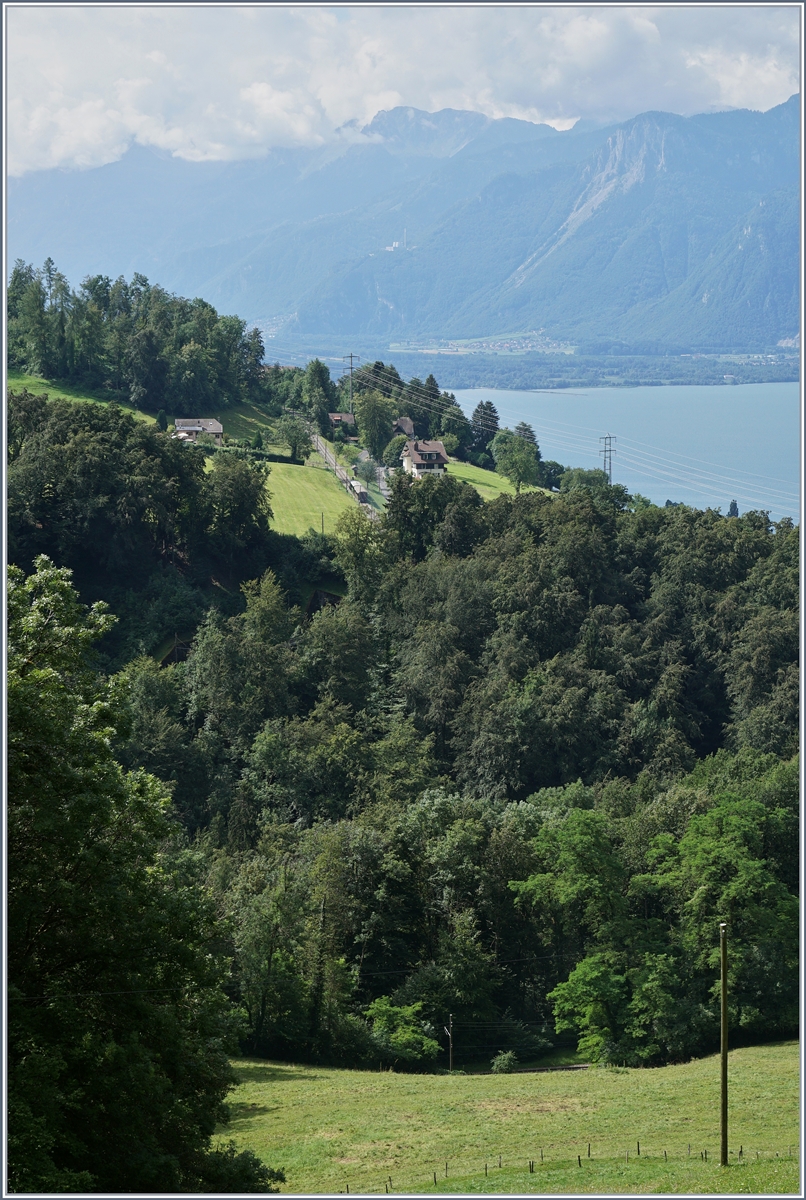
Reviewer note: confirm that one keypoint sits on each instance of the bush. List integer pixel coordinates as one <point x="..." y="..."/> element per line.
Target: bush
<point x="225" y="1170"/>
<point x="401" y="1031"/>
<point x="504" y="1063"/>
<point x="391" y="454"/>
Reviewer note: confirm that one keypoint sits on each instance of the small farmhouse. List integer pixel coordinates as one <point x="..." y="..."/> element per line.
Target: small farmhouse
<point x="424" y="458"/>
<point x="341" y="420"/>
<point x="189" y="428"/>
<point x="403" y="425"/>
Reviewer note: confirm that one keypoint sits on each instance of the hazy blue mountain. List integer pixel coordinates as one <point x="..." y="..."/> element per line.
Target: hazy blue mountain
<point x="591" y="249"/>
<point x="743" y="294"/>
<point x="503" y="226"/>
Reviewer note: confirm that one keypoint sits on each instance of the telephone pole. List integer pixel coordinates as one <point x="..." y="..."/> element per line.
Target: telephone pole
<point x="449" y="1030"/>
<point x="357" y="358"/>
<point x="607" y="452"/>
<point x="723" y="960"/>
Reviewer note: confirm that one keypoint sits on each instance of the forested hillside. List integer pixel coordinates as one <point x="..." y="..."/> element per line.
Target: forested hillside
<point x="132" y="340"/>
<point x="517" y="774"/>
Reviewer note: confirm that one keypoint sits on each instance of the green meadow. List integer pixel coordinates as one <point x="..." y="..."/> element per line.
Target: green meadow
<point x="37" y="386"/>
<point x="332" y="1129"/>
<point x="488" y="484"/>
<point x="241" y="421"/>
<point x="304" y="497"/>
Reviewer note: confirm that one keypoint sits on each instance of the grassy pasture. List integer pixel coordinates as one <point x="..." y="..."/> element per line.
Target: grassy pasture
<point x="300" y="495"/>
<point x="488" y="484"/>
<point x="244" y="421"/>
<point x="241" y="421"/>
<point x="38" y="386"/>
<point x="329" y="1129"/>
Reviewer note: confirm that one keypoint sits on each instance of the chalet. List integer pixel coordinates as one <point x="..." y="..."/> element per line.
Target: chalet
<point x="189" y="428"/>
<point x="423" y="458"/>
<point x="341" y="420"/>
<point x="403" y="425"/>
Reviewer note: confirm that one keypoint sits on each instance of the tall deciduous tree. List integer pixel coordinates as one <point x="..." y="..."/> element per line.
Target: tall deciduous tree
<point x="517" y="457"/>
<point x="294" y="432"/>
<point x="375" y="415"/>
<point x="118" y="1025"/>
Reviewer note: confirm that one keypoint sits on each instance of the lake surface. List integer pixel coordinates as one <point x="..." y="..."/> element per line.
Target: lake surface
<point x="701" y="445"/>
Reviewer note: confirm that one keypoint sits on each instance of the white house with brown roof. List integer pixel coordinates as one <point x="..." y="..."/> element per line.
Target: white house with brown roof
<point x="189" y="428"/>
<point x="423" y="458"/>
<point x="341" y="420"/>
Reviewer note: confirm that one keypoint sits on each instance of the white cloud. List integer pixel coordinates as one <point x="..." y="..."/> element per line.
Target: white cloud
<point x="224" y="82"/>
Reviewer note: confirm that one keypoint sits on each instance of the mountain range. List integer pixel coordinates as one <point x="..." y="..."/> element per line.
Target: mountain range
<point x="662" y="233"/>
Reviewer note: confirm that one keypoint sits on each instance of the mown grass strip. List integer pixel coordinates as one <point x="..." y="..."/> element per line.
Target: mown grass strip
<point x="37" y="386"/>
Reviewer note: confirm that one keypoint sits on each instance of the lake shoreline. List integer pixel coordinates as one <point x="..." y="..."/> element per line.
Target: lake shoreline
<point x="703" y="445"/>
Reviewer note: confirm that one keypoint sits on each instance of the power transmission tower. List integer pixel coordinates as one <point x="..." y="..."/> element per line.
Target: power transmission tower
<point x="357" y="358"/>
<point x="607" y="452"/>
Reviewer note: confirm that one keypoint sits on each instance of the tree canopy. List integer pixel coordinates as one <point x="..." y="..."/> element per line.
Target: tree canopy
<point x="135" y="340"/>
<point x="516" y="456"/>
<point x="510" y="761"/>
<point x="118" y="1023"/>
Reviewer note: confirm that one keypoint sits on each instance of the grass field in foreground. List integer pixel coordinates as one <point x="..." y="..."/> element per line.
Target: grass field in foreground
<point x="300" y="495"/>
<point x="332" y="1128"/>
<point x="488" y="484"/>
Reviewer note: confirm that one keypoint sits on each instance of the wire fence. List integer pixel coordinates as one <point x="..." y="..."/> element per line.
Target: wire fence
<point x="547" y="1158"/>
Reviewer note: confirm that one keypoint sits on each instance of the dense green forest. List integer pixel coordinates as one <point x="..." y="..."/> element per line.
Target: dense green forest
<point x="135" y="342"/>
<point x="517" y="773"/>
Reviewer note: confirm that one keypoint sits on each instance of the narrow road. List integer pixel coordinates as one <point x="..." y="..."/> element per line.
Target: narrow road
<point x="383" y="484"/>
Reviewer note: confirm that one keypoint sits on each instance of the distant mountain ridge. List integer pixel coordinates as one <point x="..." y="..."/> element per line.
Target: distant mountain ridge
<point x="633" y="233"/>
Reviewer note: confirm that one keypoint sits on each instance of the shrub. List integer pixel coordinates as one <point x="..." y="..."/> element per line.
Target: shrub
<point x="504" y="1062"/>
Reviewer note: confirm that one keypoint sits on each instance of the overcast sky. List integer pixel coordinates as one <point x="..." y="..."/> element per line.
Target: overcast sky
<point x="227" y="82"/>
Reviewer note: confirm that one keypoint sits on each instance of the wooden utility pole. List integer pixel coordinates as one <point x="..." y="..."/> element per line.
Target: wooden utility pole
<point x="723" y="958"/>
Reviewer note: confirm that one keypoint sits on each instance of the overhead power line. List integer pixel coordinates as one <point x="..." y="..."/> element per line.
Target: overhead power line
<point x="662" y="467"/>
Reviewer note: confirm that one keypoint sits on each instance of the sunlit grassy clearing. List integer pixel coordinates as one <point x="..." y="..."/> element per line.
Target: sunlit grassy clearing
<point x="329" y="1128"/>
<point x="301" y="495"/>
<point x="488" y="484"/>
<point x="241" y="421"/>
<point x="244" y="421"/>
<point x="37" y="386"/>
